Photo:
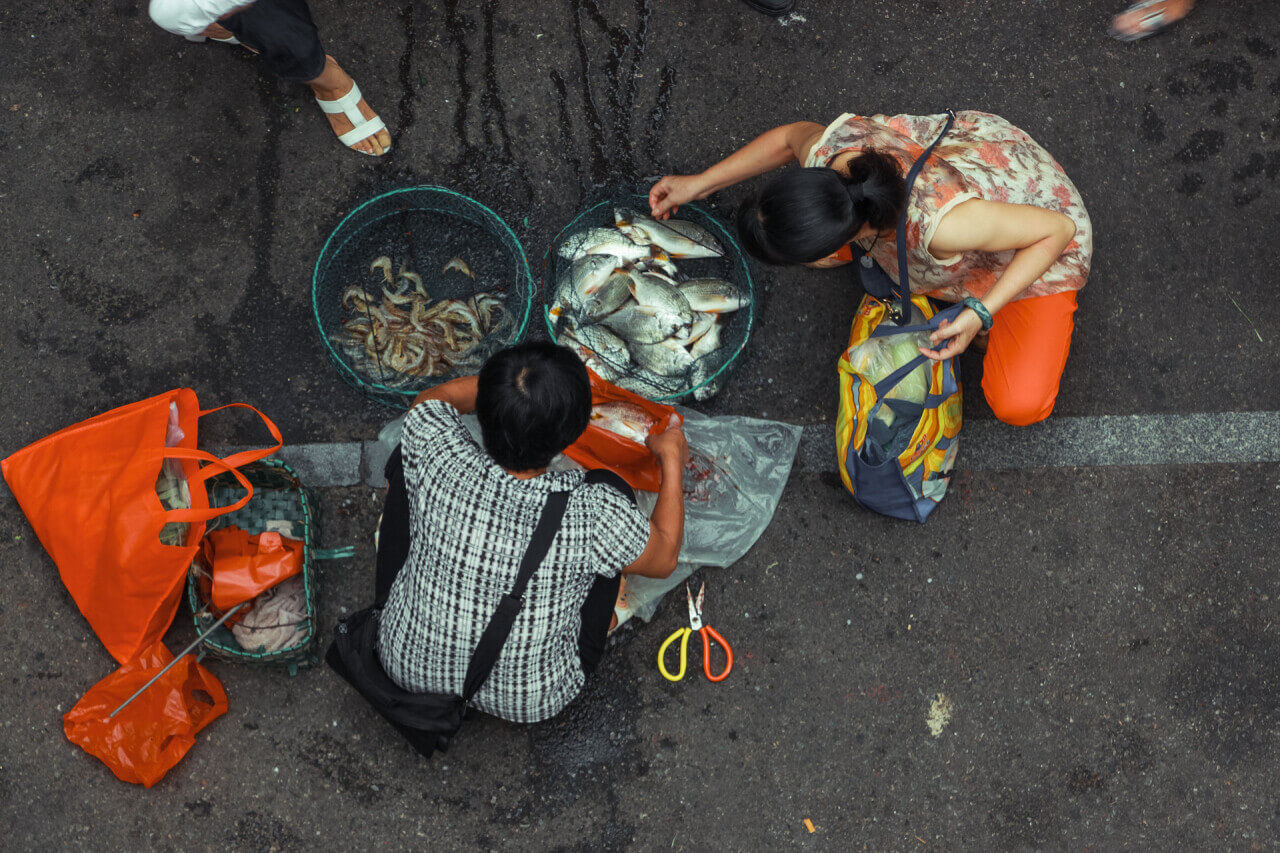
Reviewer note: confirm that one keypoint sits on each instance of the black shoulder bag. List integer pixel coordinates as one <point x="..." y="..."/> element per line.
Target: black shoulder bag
<point x="430" y="721"/>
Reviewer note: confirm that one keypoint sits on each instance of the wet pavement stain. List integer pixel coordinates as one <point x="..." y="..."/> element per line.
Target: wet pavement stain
<point x="595" y="126"/>
<point x="488" y="168"/>
<point x="491" y="106"/>
<point x="560" y="95"/>
<point x="405" y="69"/>
<point x="658" y="115"/>
<point x="1202" y="145"/>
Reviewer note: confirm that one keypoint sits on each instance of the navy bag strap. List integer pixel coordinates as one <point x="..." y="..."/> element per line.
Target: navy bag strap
<point x="902" y="311"/>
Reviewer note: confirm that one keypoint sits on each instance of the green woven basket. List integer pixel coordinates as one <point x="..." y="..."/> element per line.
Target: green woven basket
<point x="278" y="495"/>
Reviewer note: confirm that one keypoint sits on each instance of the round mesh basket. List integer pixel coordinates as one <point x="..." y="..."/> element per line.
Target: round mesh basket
<point x="417" y="286"/>
<point x="280" y="502"/>
<point x="700" y="378"/>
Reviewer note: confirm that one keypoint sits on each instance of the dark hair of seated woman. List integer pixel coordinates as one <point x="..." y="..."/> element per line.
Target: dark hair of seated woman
<point x="533" y="401"/>
<point x="804" y="215"/>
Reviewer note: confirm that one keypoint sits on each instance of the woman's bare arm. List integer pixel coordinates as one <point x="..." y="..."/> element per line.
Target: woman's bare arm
<point x="768" y="151"/>
<point x="1037" y="237"/>
<point x="459" y="393"/>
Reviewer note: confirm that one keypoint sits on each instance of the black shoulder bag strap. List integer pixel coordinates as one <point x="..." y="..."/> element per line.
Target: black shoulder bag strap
<point x="605" y="477"/>
<point x="500" y="624"/>
<point x="902" y="292"/>
<point x="504" y="618"/>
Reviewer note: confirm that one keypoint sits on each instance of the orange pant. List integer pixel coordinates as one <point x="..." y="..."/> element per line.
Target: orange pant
<point x="1026" y="353"/>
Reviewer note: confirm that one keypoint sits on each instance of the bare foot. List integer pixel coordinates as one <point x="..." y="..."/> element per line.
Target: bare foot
<point x="1135" y="23"/>
<point x="332" y="84"/>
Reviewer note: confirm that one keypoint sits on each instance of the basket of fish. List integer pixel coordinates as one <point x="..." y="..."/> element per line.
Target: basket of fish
<point x="660" y="308"/>
<point x="417" y="286"/>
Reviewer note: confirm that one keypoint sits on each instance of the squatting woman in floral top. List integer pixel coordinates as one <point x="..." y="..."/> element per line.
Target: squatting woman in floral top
<point x="992" y="216"/>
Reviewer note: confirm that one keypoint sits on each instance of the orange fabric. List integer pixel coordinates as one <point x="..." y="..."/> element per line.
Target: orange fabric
<point x="599" y="448"/>
<point x="89" y="492"/>
<point x="242" y="566"/>
<point x="152" y="734"/>
<point x="1026" y="354"/>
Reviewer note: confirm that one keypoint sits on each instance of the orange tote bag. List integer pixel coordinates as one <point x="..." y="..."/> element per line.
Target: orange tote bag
<point x="89" y="492"/>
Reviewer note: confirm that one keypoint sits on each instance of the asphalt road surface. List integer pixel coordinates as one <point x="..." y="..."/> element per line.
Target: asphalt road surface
<point x="1106" y="636"/>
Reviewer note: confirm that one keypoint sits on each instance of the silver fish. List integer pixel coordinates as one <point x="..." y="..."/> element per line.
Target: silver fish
<point x="666" y="358"/>
<point x="713" y="294"/>
<point x="707" y="344"/>
<point x="599" y="344"/>
<point x="642" y="324"/>
<point x="646" y="384"/>
<point x="703" y="321"/>
<point x="660" y="263"/>
<point x="697" y="234"/>
<point x="623" y="248"/>
<point x="584" y="241"/>
<point x="696" y="243"/>
<point x="660" y="293"/>
<point x="625" y="419"/>
<point x="589" y="273"/>
<point x="702" y="389"/>
<point x="603" y="369"/>
<point x="607" y="241"/>
<point x="611" y="296"/>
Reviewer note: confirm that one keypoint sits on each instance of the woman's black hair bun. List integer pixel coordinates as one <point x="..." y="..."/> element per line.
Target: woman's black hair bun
<point x="876" y="188"/>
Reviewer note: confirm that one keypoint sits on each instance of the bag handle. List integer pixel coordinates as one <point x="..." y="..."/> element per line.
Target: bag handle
<point x="902" y="312"/>
<point x="216" y="465"/>
<point x="504" y="618"/>
<point x="205" y="472"/>
<point x="888" y="383"/>
<point x="244" y="457"/>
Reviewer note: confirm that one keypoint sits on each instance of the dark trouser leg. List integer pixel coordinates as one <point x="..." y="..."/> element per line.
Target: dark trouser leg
<point x="393" y="532"/>
<point x="284" y="35"/>
<point x="597" y="613"/>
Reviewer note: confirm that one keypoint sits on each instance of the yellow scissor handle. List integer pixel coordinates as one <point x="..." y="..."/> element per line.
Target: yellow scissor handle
<point x="682" y="634"/>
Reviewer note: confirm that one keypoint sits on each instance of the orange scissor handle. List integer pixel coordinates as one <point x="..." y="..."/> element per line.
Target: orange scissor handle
<point x="707" y="633"/>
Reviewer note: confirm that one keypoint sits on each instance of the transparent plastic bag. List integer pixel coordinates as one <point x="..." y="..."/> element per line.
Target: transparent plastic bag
<point x="171" y="484"/>
<point x="737" y="470"/>
<point x="875" y="359"/>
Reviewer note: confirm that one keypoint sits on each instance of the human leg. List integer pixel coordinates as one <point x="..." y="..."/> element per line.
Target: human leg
<point x="1148" y="17"/>
<point x="393" y="530"/>
<point x="597" y="616"/>
<point x="1026" y="353"/>
<point x="288" y="43"/>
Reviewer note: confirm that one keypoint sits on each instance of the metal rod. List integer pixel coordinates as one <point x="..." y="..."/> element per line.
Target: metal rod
<point x="197" y="641"/>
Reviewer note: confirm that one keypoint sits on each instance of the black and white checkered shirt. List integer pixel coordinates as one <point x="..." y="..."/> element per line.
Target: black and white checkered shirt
<point x="470" y="523"/>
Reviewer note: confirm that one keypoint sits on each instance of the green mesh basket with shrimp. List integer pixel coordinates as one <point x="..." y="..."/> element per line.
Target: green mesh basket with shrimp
<point x="417" y="286"/>
<point x="693" y="351"/>
<point x="280" y="503"/>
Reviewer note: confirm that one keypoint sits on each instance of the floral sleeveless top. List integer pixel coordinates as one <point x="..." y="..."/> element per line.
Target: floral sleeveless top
<point x="982" y="156"/>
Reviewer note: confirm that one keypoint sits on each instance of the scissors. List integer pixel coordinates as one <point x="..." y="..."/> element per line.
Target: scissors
<point x="707" y="632"/>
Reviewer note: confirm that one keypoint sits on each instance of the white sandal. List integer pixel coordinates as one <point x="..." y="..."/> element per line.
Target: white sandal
<point x="361" y="128"/>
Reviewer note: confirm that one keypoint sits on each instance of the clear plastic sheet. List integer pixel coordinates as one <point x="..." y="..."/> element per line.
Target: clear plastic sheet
<point x="737" y="470"/>
<point x="738" y="467"/>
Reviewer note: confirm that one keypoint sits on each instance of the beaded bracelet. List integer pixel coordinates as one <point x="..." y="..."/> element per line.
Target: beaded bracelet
<point x="981" y="310"/>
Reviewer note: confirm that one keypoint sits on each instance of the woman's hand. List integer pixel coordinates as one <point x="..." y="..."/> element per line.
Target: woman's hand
<point x="958" y="334"/>
<point x="672" y="191"/>
<point x="670" y="446"/>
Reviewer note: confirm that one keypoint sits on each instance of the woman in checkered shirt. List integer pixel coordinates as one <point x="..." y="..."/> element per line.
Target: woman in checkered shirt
<point x="459" y="517"/>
